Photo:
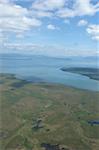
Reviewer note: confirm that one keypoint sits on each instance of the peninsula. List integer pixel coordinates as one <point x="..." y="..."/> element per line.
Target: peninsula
<point x="92" y="73"/>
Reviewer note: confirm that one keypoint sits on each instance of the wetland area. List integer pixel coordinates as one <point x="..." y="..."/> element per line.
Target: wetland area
<point x="41" y="113"/>
<point x="37" y="116"/>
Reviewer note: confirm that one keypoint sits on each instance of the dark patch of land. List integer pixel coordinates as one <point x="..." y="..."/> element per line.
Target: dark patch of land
<point x="19" y="84"/>
<point x="37" y="116"/>
<point x="92" y="73"/>
<point x="1" y="82"/>
<point x="50" y="147"/>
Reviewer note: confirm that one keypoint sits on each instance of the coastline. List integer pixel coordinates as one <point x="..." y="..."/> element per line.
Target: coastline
<point x="40" y="82"/>
<point x="44" y="113"/>
<point x="92" y="73"/>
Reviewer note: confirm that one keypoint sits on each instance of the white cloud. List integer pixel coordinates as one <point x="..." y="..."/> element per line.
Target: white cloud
<point x="62" y="8"/>
<point x="52" y="50"/>
<point x="93" y="31"/>
<point x="66" y="13"/>
<point x="46" y="8"/>
<point x="11" y="10"/>
<point x="41" y="14"/>
<point x="52" y="27"/>
<point x="79" y="8"/>
<point x="48" y="4"/>
<point x="19" y="24"/>
<point x="14" y="18"/>
<point x="17" y="19"/>
<point x="82" y="22"/>
<point x="4" y="1"/>
<point x="85" y="7"/>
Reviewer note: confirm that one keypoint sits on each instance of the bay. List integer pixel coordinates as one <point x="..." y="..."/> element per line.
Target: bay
<point x="47" y="69"/>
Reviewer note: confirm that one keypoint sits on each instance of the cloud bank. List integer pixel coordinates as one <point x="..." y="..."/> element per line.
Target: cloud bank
<point x="16" y="19"/>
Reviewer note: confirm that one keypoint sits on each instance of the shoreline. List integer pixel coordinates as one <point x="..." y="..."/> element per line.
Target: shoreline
<point x="91" y="73"/>
<point x="13" y="76"/>
<point x="46" y="112"/>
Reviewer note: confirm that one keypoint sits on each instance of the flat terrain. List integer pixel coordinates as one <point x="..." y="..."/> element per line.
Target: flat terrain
<point x="47" y="116"/>
<point x="92" y="73"/>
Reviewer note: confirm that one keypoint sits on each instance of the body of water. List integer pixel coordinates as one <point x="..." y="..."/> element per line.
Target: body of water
<point x="47" y="69"/>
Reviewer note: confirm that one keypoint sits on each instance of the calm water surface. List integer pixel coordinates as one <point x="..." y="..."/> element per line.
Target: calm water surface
<point x="48" y="69"/>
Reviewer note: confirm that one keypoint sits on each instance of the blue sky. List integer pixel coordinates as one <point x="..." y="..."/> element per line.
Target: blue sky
<point x="49" y="27"/>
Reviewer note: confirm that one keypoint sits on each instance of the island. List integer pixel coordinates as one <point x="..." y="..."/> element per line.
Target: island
<point x="92" y="73"/>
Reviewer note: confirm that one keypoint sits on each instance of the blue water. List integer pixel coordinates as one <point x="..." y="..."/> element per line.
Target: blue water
<point x="93" y="122"/>
<point x="47" y="69"/>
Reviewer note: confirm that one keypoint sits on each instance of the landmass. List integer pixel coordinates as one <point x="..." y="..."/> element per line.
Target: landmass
<point x="92" y="73"/>
<point x="44" y="116"/>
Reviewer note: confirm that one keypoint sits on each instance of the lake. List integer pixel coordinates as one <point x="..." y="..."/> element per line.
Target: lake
<point x="47" y="69"/>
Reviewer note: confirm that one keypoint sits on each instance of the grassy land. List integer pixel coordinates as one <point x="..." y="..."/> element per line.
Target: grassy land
<point x="34" y="116"/>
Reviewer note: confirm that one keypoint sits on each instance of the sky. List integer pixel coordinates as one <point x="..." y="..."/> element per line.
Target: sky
<point x="50" y="27"/>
